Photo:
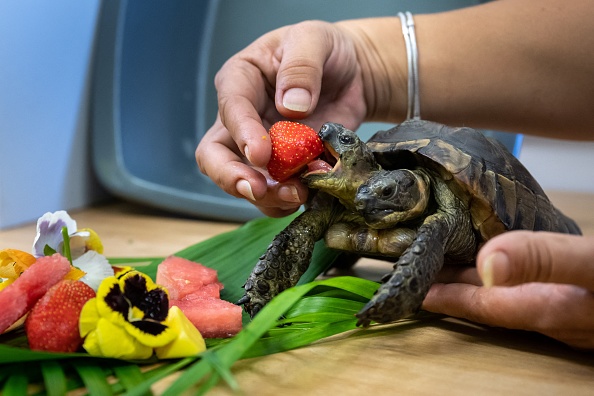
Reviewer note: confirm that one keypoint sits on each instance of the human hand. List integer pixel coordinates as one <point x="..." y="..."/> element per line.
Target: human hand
<point x="536" y="281"/>
<point x="308" y="71"/>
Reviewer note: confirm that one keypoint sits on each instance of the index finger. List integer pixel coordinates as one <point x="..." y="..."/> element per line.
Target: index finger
<point x="242" y="96"/>
<point x="217" y="156"/>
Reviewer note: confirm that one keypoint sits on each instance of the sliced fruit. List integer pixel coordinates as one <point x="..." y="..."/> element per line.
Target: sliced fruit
<point x="19" y="297"/>
<point x="189" y="341"/>
<point x="182" y="277"/>
<point x="212" y="290"/>
<point x="214" y="318"/>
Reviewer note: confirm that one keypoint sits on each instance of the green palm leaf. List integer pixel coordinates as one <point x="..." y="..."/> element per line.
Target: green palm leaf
<point x="54" y="377"/>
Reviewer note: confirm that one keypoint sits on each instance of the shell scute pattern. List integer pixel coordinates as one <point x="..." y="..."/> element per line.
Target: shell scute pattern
<point x="500" y="191"/>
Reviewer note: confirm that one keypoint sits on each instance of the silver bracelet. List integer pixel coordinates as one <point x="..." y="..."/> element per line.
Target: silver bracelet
<point x="412" y="55"/>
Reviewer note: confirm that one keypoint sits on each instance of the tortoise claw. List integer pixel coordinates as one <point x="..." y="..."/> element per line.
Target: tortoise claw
<point x="372" y="311"/>
<point x="254" y="310"/>
<point x="243" y="300"/>
<point x="363" y="322"/>
<point x="251" y="307"/>
<point x="387" y="305"/>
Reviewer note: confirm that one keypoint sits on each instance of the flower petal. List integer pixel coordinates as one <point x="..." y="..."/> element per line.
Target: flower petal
<point x="150" y="333"/>
<point x="96" y="268"/>
<point x="113" y="341"/>
<point x="84" y="240"/>
<point x="93" y="242"/>
<point x="78" y="244"/>
<point x="144" y="295"/>
<point x="13" y="262"/>
<point x="91" y="344"/>
<point x="111" y="302"/>
<point x="49" y="231"/>
<point x="89" y="317"/>
<point x="5" y="283"/>
<point x="74" y="274"/>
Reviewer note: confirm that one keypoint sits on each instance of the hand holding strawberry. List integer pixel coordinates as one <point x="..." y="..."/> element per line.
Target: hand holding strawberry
<point x="294" y="145"/>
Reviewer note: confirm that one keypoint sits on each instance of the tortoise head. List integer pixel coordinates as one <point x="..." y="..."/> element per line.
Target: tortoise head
<point x="353" y="163"/>
<point x="390" y="197"/>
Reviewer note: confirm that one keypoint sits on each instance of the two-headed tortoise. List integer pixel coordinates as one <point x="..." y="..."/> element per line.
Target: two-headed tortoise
<point x="421" y="192"/>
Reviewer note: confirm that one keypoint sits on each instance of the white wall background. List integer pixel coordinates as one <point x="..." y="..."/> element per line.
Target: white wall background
<point x="559" y="164"/>
<point x="45" y="55"/>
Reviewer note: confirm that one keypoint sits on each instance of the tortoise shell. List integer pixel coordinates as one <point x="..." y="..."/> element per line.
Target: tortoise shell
<point x="500" y="192"/>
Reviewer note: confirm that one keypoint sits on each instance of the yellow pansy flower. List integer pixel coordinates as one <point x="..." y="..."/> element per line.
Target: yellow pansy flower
<point x="104" y="338"/>
<point x="137" y="307"/>
<point x="130" y="319"/>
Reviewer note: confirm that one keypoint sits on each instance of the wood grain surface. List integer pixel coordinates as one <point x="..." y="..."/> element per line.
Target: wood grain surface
<point x="429" y="356"/>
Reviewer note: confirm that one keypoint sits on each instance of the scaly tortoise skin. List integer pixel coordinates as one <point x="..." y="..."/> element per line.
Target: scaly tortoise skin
<point x="422" y="193"/>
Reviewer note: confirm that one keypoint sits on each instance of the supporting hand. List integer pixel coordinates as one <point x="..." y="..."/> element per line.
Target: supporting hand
<point x="540" y="282"/>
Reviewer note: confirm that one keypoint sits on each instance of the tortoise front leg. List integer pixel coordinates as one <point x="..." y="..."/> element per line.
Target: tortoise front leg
<point x="403" y="290"/>
<point x="285" y="260"/>
<point x="445" y="233"/>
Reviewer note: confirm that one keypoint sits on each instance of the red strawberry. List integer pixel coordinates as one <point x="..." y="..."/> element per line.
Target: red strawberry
<point x="52" y="324"/>
<point x="293" y="146"/>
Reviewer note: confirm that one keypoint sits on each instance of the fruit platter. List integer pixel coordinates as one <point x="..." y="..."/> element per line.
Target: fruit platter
<point x="76" y="318"/>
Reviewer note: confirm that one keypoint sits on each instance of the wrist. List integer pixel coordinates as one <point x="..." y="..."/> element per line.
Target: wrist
<point x="381" y="54"/>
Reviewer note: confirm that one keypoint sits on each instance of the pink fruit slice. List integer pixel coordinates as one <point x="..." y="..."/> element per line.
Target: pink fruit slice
<point x="19" y="297"/>
<point x="182" y="277"/>
<point x="212" y="290"/>
<point x="214" y="318"/>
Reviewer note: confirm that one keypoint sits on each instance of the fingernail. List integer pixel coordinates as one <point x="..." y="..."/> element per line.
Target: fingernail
<point x="243" y="187"/>
<point x="246" y="152"/>
<point x="297" y="99"/>
<point x="495" y="269"/>
<point x="288" y="194"/>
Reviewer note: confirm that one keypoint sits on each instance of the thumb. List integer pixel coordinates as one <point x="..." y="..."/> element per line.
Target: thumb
<point x="519" y="257"/>
<point x="306" y="48"/>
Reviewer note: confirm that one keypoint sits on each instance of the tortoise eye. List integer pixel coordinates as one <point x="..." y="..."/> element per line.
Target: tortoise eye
<point x="387" y="191"/>
<point x="346" y="139"/>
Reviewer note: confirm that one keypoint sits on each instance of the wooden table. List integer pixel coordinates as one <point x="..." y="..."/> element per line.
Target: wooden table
<point x="433" y="356"/>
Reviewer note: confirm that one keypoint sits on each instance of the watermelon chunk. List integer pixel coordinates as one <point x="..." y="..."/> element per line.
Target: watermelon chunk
<point x="182" y="277"/>
<point x="195" y="289"/>
<point x="212" y="290"/>
<point x="214" y="318"/>
<point x="20" y="296"/>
